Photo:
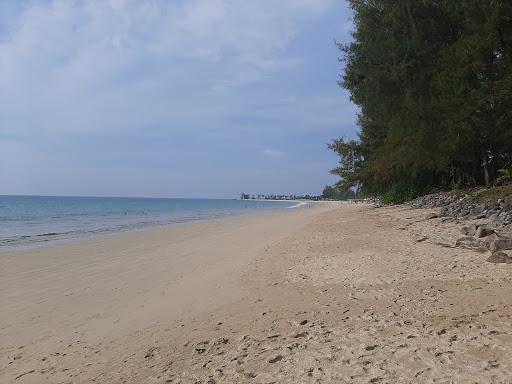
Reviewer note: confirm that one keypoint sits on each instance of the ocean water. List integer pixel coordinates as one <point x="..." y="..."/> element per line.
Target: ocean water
<point x="29" y="221"/>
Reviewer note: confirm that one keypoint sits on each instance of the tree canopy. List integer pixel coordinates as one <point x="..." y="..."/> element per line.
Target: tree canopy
<point x="433" y="81"/>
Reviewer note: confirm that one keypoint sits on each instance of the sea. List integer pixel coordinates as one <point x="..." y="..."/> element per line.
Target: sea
<point x="32" y="221"/>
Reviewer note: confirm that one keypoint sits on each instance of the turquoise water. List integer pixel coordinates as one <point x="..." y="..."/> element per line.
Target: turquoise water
<point x="27" y="221"/>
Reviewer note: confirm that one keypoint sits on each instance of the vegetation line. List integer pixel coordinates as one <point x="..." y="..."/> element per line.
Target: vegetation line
<point x="433" y="81"/>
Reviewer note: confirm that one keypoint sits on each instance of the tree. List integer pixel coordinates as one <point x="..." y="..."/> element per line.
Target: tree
<point x="433" y="81"/>
<point x="329" y="192"/>
<point x="336" y="193"/>
<point x="350" y="163"/>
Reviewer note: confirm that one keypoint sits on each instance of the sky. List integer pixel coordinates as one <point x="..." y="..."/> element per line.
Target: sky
<point x="171" y="98"/>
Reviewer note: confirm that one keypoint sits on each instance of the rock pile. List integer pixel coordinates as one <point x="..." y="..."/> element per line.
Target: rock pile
<point x="494" y="235"/>
<point x="499" y="212"/>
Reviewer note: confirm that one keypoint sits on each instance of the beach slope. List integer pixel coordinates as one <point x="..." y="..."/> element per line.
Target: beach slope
<point x="331" y="294"/>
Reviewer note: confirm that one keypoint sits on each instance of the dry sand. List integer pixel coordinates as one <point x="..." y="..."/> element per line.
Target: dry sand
<point x="341" y="294"/>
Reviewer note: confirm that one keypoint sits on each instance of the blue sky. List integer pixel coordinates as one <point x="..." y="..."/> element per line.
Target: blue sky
<point x="192" y="98"/>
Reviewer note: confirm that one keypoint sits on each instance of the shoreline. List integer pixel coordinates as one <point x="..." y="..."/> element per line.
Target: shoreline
<point x="53" y="239"/>
<point x="337" y="293"/>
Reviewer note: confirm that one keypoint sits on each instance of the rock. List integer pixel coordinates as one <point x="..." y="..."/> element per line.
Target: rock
<point x="151" y="352"/>
<point x="469" y="230"/>
<point x="275" y="359"/>
<point x="471" y="243"/>
<point x="483" y="231"/>
<point x="431" y="216"/>
<point x="507" y="206"/>
<point x="489" y="239"/>
<point x="496" y="224"/>
<point x="499" y="257"/>
<point x="501" y="244"/>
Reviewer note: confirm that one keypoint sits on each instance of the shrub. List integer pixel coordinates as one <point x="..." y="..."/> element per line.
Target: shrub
<point x="399" y="194"/>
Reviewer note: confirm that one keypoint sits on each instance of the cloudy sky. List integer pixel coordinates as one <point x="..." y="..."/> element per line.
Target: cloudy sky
<point x="190" y="98"/>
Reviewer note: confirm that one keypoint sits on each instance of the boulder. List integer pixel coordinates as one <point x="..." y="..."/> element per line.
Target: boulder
<point x="471" y="243"/>
<point x="500" y="257"/>
<point x="469" y="230"/>
<point x="488" y="240"/>
<point x="483" y="231"/>
<point x="501" y="244"/>
<point x="507" y="206"/>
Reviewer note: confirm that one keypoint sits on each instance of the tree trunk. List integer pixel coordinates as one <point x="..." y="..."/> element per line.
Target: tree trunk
<point x="487" y="173"/>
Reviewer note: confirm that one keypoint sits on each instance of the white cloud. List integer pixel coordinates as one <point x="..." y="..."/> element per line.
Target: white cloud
<point x="96" y="66"/>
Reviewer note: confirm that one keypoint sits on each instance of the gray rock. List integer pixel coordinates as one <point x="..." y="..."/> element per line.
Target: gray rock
<point x="483" y="231"/>
<point x="501" y="244"/>
<point x="499" y="257"/>
<point x="471" y="243"/>
<point x="507" y="206"/>
<point x="496" y="223"/>
<point x="469" y="230"/>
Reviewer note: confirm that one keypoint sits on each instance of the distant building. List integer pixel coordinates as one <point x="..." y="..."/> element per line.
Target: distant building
<point x="246" y="196"/>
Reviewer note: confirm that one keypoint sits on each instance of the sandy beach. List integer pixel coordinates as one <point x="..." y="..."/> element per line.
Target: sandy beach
<point x="329" y="294"/>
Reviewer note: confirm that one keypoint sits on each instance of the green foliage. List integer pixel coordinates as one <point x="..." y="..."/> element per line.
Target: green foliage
<point x="433" y="80"/>
<point x="492" y="194"/>
<point x="350" y="162"/>
<point x="504" y="177"/>
<point x="329" y="192"/>
<point x="398" y="194"/>
<point x="337" y="193"/>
